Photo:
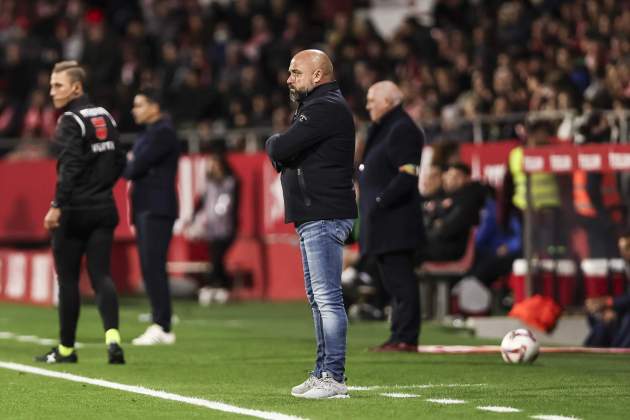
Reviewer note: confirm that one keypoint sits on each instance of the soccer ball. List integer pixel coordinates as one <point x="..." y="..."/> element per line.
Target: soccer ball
<point x="519" y="346"/>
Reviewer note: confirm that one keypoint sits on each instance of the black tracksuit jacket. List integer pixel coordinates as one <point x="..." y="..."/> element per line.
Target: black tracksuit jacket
<point x="315" y="156"/>
<point x="90" y="157"/>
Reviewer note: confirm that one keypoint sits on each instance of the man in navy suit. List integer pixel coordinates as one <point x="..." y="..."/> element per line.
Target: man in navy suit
<point x="152" y="167"/>
<point x="390" y="210"/>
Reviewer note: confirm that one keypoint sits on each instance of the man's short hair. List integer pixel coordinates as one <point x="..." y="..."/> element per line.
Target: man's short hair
<point x="461" y="166"/>
<point x="152" y="94"/>
<point x="75" y="71"/>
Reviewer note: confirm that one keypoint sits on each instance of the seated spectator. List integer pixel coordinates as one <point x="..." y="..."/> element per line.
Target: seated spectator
<point x="432" y="194"/>
<point x="458" y="213"/>
<point x="497" y="245"/>
<point x="9" y="115"/>
<point x="40" y="118"/>
<point x="609" y="317"/>
<point x="218" y="214"/>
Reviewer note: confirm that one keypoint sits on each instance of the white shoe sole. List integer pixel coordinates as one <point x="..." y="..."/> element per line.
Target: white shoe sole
<point x="338" y="396"/>
<point x="151" y="344"/>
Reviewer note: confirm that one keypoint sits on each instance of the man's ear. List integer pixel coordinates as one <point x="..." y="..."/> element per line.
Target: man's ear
<point x="317" y="75"/>
<point x="76" y="88"/>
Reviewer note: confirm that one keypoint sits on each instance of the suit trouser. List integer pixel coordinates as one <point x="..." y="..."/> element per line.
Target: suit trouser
<point x="88" y="232"/>
<point x="153" y="235"/>
<point x="396" y="270"/>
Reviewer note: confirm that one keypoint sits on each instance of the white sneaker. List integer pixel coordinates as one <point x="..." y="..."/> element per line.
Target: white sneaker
<point x="205" y="296"/>
<point x="154" y="335"/>
<point x="221" y="296"/>
<point x="209" y="295"/>
<point x="307" y="385"/>
<point x="327" y="387"/>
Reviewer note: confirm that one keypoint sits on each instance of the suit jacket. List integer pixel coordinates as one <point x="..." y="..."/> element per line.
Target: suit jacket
<point x="389" y="201"/>
<point x="153" y="171"/>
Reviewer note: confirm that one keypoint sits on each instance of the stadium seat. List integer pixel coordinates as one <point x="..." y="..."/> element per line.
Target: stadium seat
<point x="443" y="274"/>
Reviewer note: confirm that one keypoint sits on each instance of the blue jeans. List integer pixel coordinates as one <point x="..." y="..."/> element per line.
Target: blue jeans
<point x="321" y="245"/>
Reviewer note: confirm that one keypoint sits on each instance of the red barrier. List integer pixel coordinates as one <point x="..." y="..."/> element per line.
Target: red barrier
<point x="488" y="162"/>
<point x="568" y="158"/>
<point x="27" y="277"/>
<point x="265" y="270"/>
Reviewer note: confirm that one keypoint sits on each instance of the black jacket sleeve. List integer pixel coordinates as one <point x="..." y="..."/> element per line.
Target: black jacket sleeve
<point x="306" y="131"/>
<point x="161" y="145"/>
<point x="403" y="148"/>
<point x="71" y="162"/>
<point x="276" y="165"/>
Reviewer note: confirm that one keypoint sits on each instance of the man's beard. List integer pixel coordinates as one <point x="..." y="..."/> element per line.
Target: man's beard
<point x="297" y="96"/>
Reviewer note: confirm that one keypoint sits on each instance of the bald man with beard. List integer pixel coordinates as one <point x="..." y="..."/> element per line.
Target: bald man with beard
<point x="389" y="204"/>
<point x="315" y="158"/>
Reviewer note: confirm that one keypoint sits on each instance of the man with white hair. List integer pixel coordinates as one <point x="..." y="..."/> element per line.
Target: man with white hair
<point x="390" y="210"/>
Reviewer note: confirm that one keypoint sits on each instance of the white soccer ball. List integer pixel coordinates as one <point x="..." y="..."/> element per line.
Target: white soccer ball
<point x="519" y="346"/>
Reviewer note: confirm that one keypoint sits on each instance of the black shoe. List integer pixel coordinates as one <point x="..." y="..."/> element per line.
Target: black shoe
<point x="115" y="354"/>
<point x="53" y="356"/>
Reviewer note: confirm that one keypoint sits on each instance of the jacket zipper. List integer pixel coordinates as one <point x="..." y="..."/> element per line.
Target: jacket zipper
<point x="302" y="185"/>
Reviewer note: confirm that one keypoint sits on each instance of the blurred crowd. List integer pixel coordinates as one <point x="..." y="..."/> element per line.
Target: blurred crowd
<point x="223" y="64"/>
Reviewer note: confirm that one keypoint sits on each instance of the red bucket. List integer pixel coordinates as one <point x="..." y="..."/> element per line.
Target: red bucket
<point x="595" y="272"/>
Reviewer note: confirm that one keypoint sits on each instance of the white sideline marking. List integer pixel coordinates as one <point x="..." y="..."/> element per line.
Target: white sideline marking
<point x="445" y="401"/>
<point x="553" y="417"/>
<point x="425" y="386"/>
<point x="497" y="409"/>
<point x="399" y="395"/>
<point x="213" y="405"/>
<point x="7" y="335"/>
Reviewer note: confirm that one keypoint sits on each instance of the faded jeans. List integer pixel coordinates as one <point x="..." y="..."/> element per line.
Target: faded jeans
<point x="321" y="245"/>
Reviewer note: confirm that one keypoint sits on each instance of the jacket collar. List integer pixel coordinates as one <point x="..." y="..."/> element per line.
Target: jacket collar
<point x="77" y="103"/>
<point x="157" y="122"/>
<point x="321" y="90"/>
<point x="395" y="111"/>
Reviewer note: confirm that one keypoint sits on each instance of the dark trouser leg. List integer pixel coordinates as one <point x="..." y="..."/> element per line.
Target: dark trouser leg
<point x="154" y="236"/>
<point x="621" y="336"/>
<point x="488" y="268"/>
<point x="99" y="251"/>
<point x="396" y="270"/>
<point x="67" y="251"/>
<point x="601" y="236"/>
<point x="600" y="334"/>
<point x="219" y="277"/>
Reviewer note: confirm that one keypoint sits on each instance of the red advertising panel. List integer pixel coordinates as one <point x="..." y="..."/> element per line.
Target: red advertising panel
<point x="488" y="162"/>
<point x="568" y="158"/>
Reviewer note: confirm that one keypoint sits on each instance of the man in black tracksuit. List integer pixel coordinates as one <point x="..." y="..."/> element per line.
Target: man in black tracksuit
<point x="315" y="156"/>
<point x="389" y="205"/>
<point x="83" y="214"/>
<point x="152" y="168"/>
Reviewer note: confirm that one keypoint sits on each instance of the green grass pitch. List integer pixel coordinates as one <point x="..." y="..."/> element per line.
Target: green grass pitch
<point x="250" y="354"/>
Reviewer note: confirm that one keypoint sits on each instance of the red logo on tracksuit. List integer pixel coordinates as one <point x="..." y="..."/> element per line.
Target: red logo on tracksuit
<point x="100" y="127"/>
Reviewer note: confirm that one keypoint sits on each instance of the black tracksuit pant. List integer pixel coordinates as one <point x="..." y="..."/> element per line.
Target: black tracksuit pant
<point x="153" y="235"/>
<point x="89" y="232"/>
<point x="396" y="270"/>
